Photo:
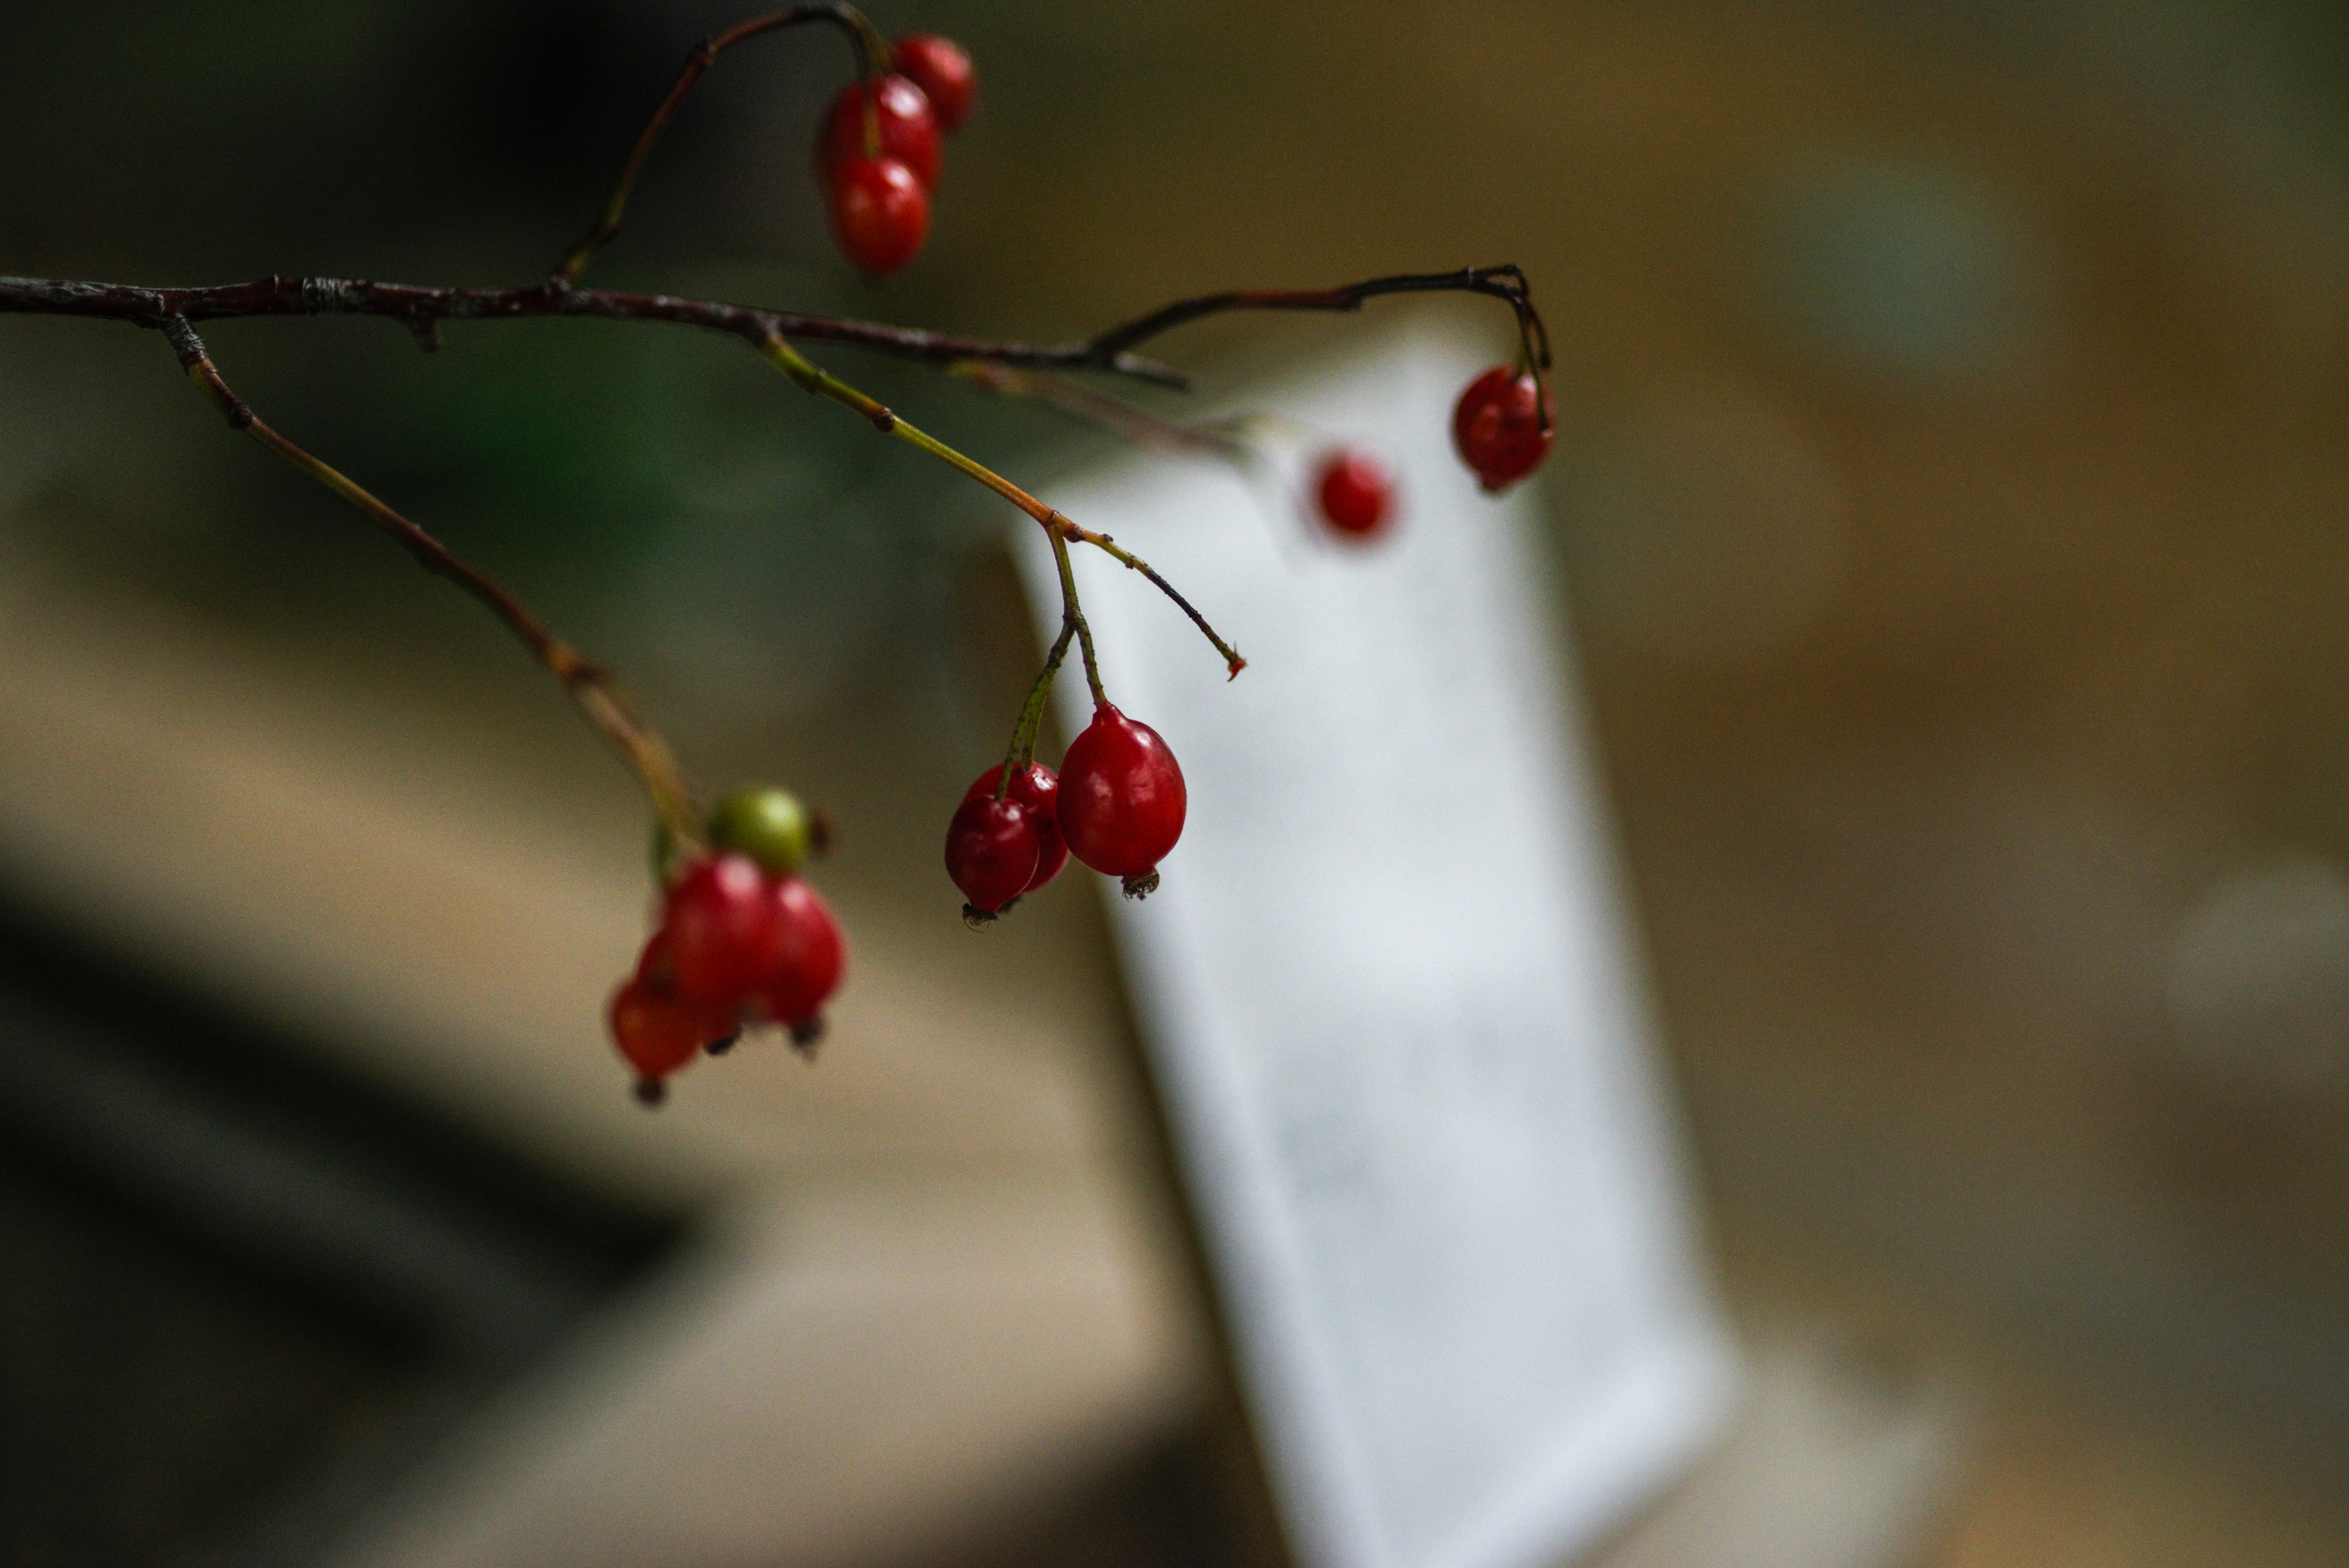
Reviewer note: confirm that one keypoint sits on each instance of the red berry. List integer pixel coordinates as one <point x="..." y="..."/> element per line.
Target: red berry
<point x="1503" y="426"/>
<point x="804" y="956"/>
<point x="1038" y="788"/>
<point x="909" y="131"/>
<point x="992" y="851"/>
<point x="1122" y="796"/>
<point x="879" y="215"/>
<point x="717" y="923"/>
<point x="1357" y="492"/>
<point x="656" y="971"/>
<point x="656" y="1032"/>
<point x="941" y="68"/>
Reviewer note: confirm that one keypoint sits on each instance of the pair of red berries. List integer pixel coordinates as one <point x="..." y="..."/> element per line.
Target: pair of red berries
<point x="1502" y="426"/>
<point x="1117" y="804"/>
<point x="742" y="941"/>
<point x="879" y="198"/>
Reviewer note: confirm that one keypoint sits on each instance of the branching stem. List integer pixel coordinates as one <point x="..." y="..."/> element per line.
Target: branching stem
<point x="999" y="364"/>
<point x="812" y="377"/>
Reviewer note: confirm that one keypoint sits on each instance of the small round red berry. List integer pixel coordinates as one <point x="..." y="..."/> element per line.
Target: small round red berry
<point x="657" y="968"/>
<point x="767" y="825"/>
<point x="806" y="955"/>
<point x="942" y="69"/>
<point x="656" y="1032"/>
<point x="879" y="215"/>
<point x="717" y="922"/>
<point x="1357" y="493"/>
<point x="1038" y="788"/>
<point x="992" y="852"/>
<point x="1503" y="426"/>
<point x="909" y="131"/>
<point x="1122" y="798"/>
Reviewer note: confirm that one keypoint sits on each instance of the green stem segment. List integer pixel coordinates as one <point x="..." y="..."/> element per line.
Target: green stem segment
<point x="1076" y="616"/>
<point x="599" y="697"/>
<point x="812" y="378"/>
<point x="1031" y="712"/>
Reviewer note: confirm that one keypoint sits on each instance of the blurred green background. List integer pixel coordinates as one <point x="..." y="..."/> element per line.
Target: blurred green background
<point x="1950" y="501"/>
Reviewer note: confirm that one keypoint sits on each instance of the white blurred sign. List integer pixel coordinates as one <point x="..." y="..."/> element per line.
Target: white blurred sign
<point x="1388" y="999"/>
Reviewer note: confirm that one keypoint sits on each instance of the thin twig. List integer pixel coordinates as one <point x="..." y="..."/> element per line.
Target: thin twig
<point x="1507" y="281"/>
<point x="590" y="685"/>
<point x="1060" y="524"/>
<point x="871" y="52"/>
<point x="421" y="308"/>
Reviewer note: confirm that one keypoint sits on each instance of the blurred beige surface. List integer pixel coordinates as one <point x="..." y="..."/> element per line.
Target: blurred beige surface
<point x="927" y="1280"/>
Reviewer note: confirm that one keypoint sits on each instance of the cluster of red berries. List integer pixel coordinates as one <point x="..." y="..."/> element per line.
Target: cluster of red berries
<point x="1117" y="804"/>
<point x="879" y="194"/>
<point x="742" y="941"/>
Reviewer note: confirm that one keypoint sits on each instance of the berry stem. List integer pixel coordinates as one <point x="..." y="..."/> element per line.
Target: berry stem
<point x="1506" y="283"/>
<point x="812" y="378"/>
<point x="871" y="61"/>
<point x="608" y="708"/>
<point x="1071" y="615"/>
<point x="1031" y="712"/>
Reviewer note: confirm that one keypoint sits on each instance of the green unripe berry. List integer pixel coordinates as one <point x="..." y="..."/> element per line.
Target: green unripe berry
<point x="767" y="825"/>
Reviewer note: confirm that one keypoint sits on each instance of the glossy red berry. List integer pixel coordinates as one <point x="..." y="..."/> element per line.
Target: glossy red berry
<point x="1038" y="788"/>
<point x="804" y="957"/>
<point x="992" y="851"/>
<point x="879" y="215"/>
<point x="942" y="69"/>
<point x="717" y="924"/>
<point x="1503" y="426"/>
<point x="909" y="131"/>
<point x="1122" y="798"/>
<point x="654" y="1031"/>
<point x="1357" y="493"/>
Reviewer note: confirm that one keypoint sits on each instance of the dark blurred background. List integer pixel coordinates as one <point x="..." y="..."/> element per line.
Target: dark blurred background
<point x="1950" y="503"/>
